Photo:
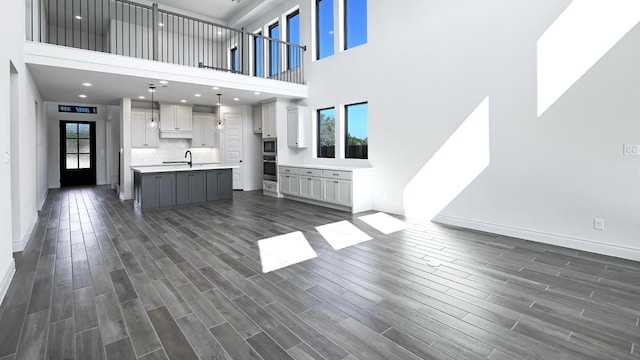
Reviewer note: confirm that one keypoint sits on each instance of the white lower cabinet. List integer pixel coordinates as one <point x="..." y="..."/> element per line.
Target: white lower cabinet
<point x="311" y="187"/>
<point x="337" y="191"/>
<point x="333" y="188"/>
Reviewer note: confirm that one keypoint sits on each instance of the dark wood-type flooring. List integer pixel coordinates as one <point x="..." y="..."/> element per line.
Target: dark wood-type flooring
<point x="100" y="281"/>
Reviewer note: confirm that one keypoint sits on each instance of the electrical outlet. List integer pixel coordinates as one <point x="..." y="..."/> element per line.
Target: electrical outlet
<point x="598" y="224"/>
<point x="630" y="150"/>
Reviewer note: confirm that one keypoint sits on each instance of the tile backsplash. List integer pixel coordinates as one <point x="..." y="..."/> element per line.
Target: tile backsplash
<point x="173" y="150"/>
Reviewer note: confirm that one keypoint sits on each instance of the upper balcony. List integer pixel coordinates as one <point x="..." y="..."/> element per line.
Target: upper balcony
<point x="148" y="32"/>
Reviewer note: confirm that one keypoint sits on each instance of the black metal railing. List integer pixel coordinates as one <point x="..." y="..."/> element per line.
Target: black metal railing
<point x="147" y="32"/>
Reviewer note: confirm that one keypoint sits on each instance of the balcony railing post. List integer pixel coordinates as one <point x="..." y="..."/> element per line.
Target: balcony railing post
<point x="155" y="31"/>
<point x="242" y="51"/>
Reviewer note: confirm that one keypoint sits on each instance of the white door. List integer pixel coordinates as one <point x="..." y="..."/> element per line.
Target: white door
<point x="232" y="135"/>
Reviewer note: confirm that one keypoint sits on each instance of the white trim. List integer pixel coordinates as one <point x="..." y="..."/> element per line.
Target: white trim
<point x="19" y="246"/>
<point x="542" y="237"/>
<point x="43" y="200"/>
<point x="6" y="279"/>
<point x="126" y="196"/>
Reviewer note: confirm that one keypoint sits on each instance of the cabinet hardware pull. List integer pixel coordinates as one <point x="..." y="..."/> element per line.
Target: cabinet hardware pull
<point x="336" y="174"/>
<point x="309" y="172"/>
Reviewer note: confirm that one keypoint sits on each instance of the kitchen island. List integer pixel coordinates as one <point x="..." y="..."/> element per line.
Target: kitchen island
<point x="166" y="187"/>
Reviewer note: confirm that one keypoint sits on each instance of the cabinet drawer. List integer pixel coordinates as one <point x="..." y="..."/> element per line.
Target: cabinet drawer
<point x="289" y="170"/>
<point x="335" y="174"/>
<point x="310" y="172"/>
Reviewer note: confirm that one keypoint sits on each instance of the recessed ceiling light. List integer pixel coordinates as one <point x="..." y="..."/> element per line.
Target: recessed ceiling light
<point x="141" y="97"/>
<point x="163" y="82"/>
<point x="151" y="90"/>
<point x="197" y="95"/>
<point x="257" y="93"/>
<point x="78" y="17"/>
<point x="183" y="101"/>
<point x="87" y="84"/>
<point x="215" y="88"/>
<point x="160" y="24"/>
<point x="82" y="96"/>
<point x="219" y="32"/>
<point x="236" y="99"/>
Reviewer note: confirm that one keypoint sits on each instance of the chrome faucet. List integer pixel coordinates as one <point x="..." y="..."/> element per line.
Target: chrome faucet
<point x="190" y="157"/>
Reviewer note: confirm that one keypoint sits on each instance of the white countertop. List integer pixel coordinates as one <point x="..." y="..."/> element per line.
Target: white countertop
<point x="180" y="167"/>
<point x="328" y="167"/>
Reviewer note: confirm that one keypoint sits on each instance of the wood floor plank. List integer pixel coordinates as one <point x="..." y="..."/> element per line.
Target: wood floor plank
<point x="203" y="342"/>
<point x="143" y="336"/>
<point x="241" y="322"/>
<point x="120" y="350"/>
<point x="209" y="316"/>
<point x="89" y="345"/>
<point x="173" y="340"/>
<point x="233" y="343"/>
<point x="85" y="314"/>
<point x="33" y="339"/>
<point x="61" y="342"/>
<point x="123" y="287"/>
<point x="112" y="325"/>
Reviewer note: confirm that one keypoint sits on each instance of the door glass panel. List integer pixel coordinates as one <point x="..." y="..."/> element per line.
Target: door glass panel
<point x="85" y="161"/>
<point x="72" y="146"/>
<point x="83" y="131"/>
<point x="72" y="130"/>
<point x="72" y="161"/>
<point x="85" y="146"/>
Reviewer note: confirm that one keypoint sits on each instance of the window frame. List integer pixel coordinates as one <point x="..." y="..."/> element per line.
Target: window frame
<point x="288" y="18"/>
<point x="346" y="130"/>
<point x="317" y="30"/>
<point x="234" y="59"/>
<point x="270" y="27"/>
<point x="318" y="135"/>
<point x="258" y="62"/>
<point x="345" y="31"/>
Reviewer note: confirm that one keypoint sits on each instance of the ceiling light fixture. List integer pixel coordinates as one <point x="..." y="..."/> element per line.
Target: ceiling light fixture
<point x="152" y="123"/>
<point x="160" y="24"/>
<point x="78" y="17"/>
<point x="257" y="93"/>
<point x="197" y="95"/>
<point x="220" y="123"/>
<point x="82" y="96"/>
<point x="141" y="97"/>
<point x="236" y="99"/>
<point x="183" y="101"/>
<point x="87" y="84"/>
<point x="163" y="82"/>
<point x="215" y="88"/>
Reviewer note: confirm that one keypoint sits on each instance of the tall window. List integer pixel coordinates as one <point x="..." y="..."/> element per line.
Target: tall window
<point x="293" y="36"/>
<point x="235" y="61"/>
<point x="357" y="133"/>
<point x="324" y="28"/>
<point x="274" y="47"/>
<point x="355" y="23"/>
<point x="327" y="133"/>
<point x="258" y="55"/>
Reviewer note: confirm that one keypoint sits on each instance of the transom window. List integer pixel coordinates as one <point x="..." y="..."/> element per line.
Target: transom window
<point x="355" y="23"/>
<point x="324" y="28"/>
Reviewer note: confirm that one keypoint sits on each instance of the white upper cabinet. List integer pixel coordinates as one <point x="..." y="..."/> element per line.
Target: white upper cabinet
<point x="257" y="119"/>
<point x="203" y="130"/>
<point x="176" y="121"/>
<point x="141" y="136"/>
<point x="296" y="127"/>
<point x="269" y="120"/>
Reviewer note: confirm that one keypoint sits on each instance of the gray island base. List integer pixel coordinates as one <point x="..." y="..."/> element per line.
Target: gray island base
<point x="166" y="187"/>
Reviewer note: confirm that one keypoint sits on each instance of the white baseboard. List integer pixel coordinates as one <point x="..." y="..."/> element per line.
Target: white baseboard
<point x="124" y="196"/>
<point x="19" y="246"/>
<point x="6" y="279"/>
<point x="545" y="238"/>
<point x="43" y="199"/>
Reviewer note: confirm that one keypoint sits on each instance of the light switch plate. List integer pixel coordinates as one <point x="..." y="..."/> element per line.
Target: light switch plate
<point x="631" y="150"/>
<point x="7" y="157"/>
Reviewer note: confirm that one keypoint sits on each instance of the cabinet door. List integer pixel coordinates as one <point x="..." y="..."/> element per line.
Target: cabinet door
<point x="269" y="120"/>
<point x="182" y="188"/>
<point x="198" y="186"/>
<point x="149" y="191"/>
<point x="184" y="118"/>
<point x="225" y="182"/>
<point x="166" y="185"/>
<point x="167" y="117"/>
<point x="197" y="139"/>
<point x="292" y="128"/>
<point x="138" y="129"/>
<point x="257" y="119"/>
<point x="329" y="190"/>
<point x="343" y="193"/>
<point x="294" y="185"/>
<point x="213" y="192"/>
<point x="208" y="132"/>
<point x="315" y="192"/>
<point x="284" y="183"/>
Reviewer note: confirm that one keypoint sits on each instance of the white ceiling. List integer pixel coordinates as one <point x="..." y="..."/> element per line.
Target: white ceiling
<point x="64" y="85"/>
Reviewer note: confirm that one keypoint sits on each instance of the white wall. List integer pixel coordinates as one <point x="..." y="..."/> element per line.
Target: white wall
<point x="426" y="67"/>
<point x="53" y="120"/>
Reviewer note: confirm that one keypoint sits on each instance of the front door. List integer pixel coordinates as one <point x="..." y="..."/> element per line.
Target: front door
<point x="233" y="147"/>
<point x="77" y="153"/>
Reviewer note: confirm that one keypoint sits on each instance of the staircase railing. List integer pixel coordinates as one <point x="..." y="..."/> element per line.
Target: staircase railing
<point x="129" y="29"/>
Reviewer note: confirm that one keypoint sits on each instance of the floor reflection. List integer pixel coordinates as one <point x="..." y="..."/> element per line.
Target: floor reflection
<point x="284" y="250"/>
<point x="342" y="234"/>
<point x="384" y="223"/>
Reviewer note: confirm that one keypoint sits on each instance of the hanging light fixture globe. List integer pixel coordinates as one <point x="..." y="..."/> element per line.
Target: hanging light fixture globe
<point x="219" y="127"/>
<point x="152" y="122"/>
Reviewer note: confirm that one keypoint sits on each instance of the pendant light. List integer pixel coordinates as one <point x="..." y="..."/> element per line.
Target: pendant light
<point x="220" y="123"/>
<point x="153" y="123"/>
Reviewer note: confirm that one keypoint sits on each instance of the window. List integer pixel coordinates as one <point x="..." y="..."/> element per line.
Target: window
<point x="324" y="28"/>
<point x="293" y="36"/>
<point x="78" y="146"/>
<point x="258" y="55"/>
<point x="326" y="133"/>
<point x="274" y="53"/>
<point x="355" y="23"/>
<point x="357" y="138"/>
<point x="235" y="65"/>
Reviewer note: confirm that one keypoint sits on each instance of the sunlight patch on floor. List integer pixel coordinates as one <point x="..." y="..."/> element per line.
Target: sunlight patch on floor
<point x="384" y="223"/>
<point x="342" y="234"/>
<point x="284" y="250"/>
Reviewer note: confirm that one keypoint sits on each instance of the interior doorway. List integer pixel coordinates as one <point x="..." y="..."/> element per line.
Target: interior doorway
<point x="233" y="147"/>
<point x="77" y="153"/>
